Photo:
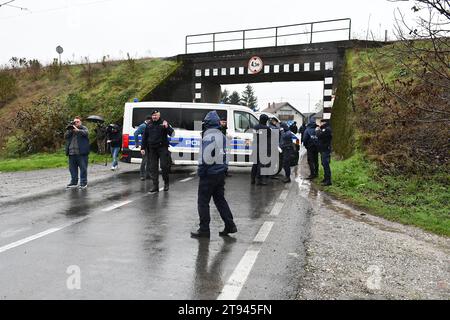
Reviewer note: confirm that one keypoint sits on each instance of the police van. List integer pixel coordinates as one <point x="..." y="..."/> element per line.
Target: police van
<point x="184" y="146"/>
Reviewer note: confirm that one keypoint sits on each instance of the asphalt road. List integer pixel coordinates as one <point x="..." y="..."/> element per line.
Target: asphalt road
<point x="116" y="241"/>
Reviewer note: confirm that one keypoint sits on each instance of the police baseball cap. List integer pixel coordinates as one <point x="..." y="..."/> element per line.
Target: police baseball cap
<point x="155" y="111"/>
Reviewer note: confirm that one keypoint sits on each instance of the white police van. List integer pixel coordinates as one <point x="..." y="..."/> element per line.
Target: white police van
<point x="184" y="146"/>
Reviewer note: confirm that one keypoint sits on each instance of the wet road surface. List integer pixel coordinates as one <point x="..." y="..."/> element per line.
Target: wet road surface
<point x="128" y="244"/>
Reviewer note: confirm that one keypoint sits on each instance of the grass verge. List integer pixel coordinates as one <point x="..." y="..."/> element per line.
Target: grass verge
<point x="422" y="201"/>
<point x="43" y="161"/>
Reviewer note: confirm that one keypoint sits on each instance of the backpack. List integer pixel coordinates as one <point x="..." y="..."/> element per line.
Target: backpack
<point x="313" y="140"/>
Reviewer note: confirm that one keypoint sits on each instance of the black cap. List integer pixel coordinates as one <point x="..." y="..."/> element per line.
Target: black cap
<point x="155" y="111"/>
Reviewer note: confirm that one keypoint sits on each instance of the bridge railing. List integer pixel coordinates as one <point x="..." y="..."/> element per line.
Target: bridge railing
<point x="310" y="32"/>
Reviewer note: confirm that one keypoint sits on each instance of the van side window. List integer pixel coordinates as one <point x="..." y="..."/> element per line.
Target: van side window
<point x="253" y="121"/>
<point x="171" y="115"/>
<point x="189" y="116"/>
<point x="241" y="121"/>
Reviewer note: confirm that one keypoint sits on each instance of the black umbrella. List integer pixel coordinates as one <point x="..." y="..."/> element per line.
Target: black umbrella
<point x="96" y="119"/>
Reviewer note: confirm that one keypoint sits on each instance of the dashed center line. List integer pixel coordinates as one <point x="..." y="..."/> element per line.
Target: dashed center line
<point x="237" y="280"/>
<point x="276" y="209"/>
<point x="187" y="179"/>
<point x="234" y="285"/>
<point x="117" y="205"/>
<point x="264" y="232"/>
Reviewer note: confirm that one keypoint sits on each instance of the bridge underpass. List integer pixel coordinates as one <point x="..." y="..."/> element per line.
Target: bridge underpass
<point x="201" y="74"/>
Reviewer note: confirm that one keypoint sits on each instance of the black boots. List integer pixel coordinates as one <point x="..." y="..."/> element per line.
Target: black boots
<point x="227" y="231"/>
<point x="200" y="234"/>
<point x="287" y="180"/>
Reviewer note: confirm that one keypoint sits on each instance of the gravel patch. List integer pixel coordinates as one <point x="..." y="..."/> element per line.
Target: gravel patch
<point x="353" y="255"/>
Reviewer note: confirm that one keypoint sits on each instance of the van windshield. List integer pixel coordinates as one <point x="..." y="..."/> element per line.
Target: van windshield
<point x="176" y="117"/>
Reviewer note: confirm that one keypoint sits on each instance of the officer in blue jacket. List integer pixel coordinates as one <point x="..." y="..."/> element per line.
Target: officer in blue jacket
<point x="211" y="170"/>
<point x="145" y="168"/>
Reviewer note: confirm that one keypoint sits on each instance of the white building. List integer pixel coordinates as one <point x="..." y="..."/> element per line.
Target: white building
<point x="285" y="112"/>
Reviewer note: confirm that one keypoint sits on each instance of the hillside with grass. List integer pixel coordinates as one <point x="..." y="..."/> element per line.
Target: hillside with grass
<point x="390" y="127"/>
<point x="36" y="102"/>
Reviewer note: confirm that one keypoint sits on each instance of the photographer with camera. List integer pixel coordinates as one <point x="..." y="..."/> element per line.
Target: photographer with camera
<point x="77" y="149"/>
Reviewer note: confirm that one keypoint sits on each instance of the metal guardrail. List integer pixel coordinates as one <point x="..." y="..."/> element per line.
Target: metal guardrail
<point x="276" y="36"/>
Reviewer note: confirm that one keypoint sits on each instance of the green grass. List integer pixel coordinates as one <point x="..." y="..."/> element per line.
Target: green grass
<point x="422" y="201"/>
<point x="43" y="161"/>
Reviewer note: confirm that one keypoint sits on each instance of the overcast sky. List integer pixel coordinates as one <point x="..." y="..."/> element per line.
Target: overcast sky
<point x="158" y="28"/>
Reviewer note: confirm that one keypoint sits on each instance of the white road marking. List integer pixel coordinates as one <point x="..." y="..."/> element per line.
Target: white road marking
<point x="276" y="209"/>
<point x="264" y="232"/>
<point x="40" y="235"/>
<point x="187" y="179"/>
<point x="283" y="195"/>
<point x="236" y="282"/>
<point x="117" y="205"/>
<point x="194" y="173"/>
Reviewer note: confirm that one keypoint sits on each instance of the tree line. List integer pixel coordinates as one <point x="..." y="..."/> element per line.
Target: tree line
<point x="246" y="98"/>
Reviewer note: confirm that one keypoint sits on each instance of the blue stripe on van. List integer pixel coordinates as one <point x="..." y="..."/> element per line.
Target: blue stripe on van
<point x="180" y="142"/>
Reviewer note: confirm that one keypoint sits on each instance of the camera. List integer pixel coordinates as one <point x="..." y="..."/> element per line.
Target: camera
<point x="70" y="126"/>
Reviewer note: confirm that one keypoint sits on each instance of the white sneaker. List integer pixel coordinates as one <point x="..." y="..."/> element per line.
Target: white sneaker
<point x="113" y="168"/>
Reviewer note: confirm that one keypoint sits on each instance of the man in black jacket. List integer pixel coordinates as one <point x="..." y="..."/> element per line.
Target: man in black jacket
<point x="311" y="143"/>
<point x="324" y="135"/>
<point x="155" y="141"/>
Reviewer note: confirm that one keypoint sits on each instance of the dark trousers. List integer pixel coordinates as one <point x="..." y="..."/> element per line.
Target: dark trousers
<point x="256" y="172"/>
<point x="158" y="155"/>
<point x="313" y="161"/>
<point x="78" y="162"/>
<point x="326" y="157"/>
<point x="287" y="155"/>
<point x="144" y="173"/>
<point x="213" y="186"/>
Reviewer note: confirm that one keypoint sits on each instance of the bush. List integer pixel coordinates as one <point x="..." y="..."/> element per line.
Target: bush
<point x="35" y="68"/>
<point x="41" y="127"/>
<point x="54" y="69"/>
<point x="14" y="146"/>
<point x="78" y="105"/>
<point x="8" y="86"/>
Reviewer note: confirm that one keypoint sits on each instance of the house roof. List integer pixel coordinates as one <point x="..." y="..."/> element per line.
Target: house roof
<point x="274" y="107"/>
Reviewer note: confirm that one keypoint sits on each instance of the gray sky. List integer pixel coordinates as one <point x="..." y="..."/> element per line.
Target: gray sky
<point x="158" y="28"/>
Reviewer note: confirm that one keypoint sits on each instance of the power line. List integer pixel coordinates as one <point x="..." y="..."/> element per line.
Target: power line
<point x="58" y="8"/>
<point x="7" y="4"/>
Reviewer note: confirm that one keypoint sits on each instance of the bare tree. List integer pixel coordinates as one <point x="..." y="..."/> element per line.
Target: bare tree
<point x="406" y="116"/>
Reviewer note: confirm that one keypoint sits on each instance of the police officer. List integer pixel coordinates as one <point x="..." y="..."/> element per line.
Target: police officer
<point x="287" y="147"/>
<point x="211" y="170"/>
<point x="311" y="143"/>
<point x="224" y="128"/>
<point x="144" y="169"/>
<point x="261" y="128"/>
<point x="155" y="142"/>
<point x="324" y="135"/>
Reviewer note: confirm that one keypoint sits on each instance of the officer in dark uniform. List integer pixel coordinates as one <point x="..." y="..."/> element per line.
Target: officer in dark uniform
<point x="261" y="129"/>
<point x="324" y="135"/>
<point x="224" y="128"/>
<point x="211" y="170"/>
<point x="155" y="141"/>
